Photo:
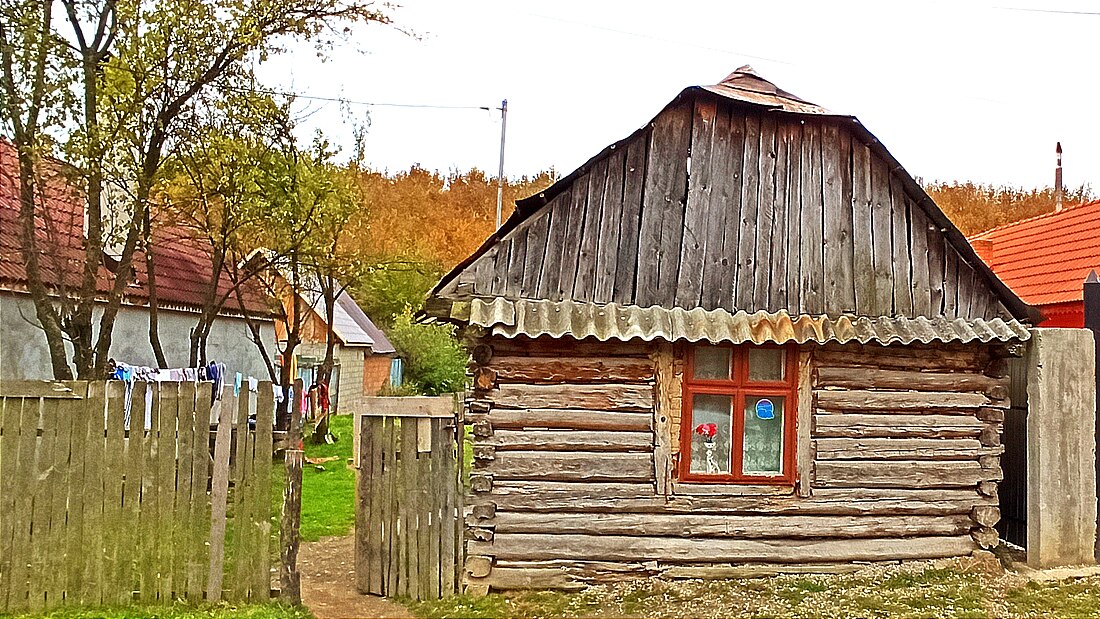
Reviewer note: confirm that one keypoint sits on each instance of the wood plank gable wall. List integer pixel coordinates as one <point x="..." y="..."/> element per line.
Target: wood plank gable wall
<point x="722" y="205"/>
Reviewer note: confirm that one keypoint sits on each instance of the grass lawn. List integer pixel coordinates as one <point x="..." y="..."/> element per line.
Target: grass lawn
<point x="213" y="611"/>
<point x="328" y="489"/>
<point x="954" y="589"/>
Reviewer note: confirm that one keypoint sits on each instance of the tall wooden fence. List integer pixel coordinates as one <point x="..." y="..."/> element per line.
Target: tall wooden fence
<point x="103" y="503"/>
<point x="408" y="498"/>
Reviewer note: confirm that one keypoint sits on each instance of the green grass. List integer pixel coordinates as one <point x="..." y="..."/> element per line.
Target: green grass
<point x="328" y="489"/>
<point x="911" y="592"/>
<point x="212" y="611"/>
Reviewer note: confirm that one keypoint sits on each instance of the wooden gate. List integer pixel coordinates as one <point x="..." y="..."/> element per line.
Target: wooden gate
<point x="408" y="498"/>
<point x="1013" y="488"/>
<point x="107" y="495"/>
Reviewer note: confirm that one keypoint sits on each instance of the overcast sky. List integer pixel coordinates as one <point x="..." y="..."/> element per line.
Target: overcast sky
<point x="956" y="90"/>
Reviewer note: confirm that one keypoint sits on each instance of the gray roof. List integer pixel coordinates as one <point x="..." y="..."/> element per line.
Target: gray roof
<point x="351" y="323"/>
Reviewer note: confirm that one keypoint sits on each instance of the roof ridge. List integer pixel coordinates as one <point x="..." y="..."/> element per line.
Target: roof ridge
<point x="978" y="236"/>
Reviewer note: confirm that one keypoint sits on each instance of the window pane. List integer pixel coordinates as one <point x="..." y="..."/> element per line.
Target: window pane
<point x="767" y="364"/>
<point x="712" y="363"/>
<point x="763" y="445"/>
<point x="712" y="416"/>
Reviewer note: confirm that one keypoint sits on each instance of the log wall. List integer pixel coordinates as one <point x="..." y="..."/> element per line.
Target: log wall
<point x="899" y="458"/>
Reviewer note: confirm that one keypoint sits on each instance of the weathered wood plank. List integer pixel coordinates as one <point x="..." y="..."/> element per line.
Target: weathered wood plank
<point x="422" y="503"/>
<point x="951" y="283"/>
<point x="745" y="275"/>
<point x="408" y="491"/>
<point x="902" y="250"/>
<point x="899" y="474"/>
<point x="571" y="419"/>
<point x="900" y="426"/>
<point x="664" y="439"/>
<point x="907" y="358"/>
<point x="517" y="258"/>
<point x="765" y="217"/>
<point x="694" y="247"/>
<point x="882" y="237"/>
<point x="571" y="466"/>
<point x="839" y="292"/>
<point x="589" y="234"/>
<point x="626" y="397"/>
<point x="569" y="261"/>
<point x="41" y="501"/>
<point x="557" y="244"/>
<point x="813" y="240"/>
<point x="804" y="424"/>
<point x="390" y="509"/>
<point x="607" y="251"/>
<point x="571" y="370"/>
<point x="901" y="449"/>
<point x="777" y="271"/>
<point x="875" y="378"/>
<point x="663" y="205"/>
<point x="794" y="219"/>
<point x="20" y="549"/>
<point x="10" y="408"/>
<point x="534" y="261"/>
<point x="565" y="347"/>
<point x="219" y="496"/>
<point x="534" y="547"/>
<point x="68" y="415"/>
<point x="365" y="571"/>
<point x="94" y="550"/>
<point x="630" y="225"/>
<point x="570" y="440"/>
<point x="721" y="525"/>
<point x="501" y="253"/>
<point x="722" y="218"/>
<point x="863" y="268"/>
<point x="918" y="240"/>
<point x="881" y="400"/>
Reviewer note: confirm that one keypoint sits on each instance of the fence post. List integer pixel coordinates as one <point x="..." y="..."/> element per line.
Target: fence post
<point x="290" y="583"/>
<point x="1091" y="295"/>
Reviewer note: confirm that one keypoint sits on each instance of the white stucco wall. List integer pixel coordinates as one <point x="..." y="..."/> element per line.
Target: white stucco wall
<point x="24" y="355"/>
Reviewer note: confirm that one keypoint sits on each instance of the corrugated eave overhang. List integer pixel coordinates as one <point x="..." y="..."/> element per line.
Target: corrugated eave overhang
<point x="782" y="105"/>
<point x="514" y="318"/>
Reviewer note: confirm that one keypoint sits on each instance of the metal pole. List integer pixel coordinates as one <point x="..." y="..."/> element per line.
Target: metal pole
<point x="500" y="170"/>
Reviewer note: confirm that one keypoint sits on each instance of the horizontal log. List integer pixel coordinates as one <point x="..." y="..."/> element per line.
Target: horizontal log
<point x="878" y="400"/>
<point x="562" y="347"/>
<point x="898" y="474"/>
<point x="527" y="578"/>
<point x="604" y="397"/>
<point x="611" y="421"/>
<point x="679" y="487"/>
<point x="571" y="466"/>
<point x="534" y="547"/>
<point x="716" y="525"/>
<point x="901" y="449"/>
<point x="536" y="496"/>
<point x="904" y="358"/>
<point x="876" y="378"/>
<point x="899" y="426"/>
<point x="571" y="440"/>
<point x="478" y="566"/>
<point x="572" y="370"/>
<point x="721" y="572"/>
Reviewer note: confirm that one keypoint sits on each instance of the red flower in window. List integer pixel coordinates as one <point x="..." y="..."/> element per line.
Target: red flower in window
<point x="708" y="430"/>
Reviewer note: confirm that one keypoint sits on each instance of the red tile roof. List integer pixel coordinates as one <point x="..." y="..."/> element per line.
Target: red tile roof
<point x="1045" y="259"/>
<point x="182" y="262"/>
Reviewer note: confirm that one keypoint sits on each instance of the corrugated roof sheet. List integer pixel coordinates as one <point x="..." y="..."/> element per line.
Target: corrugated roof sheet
<point x="1045" y="259"/>
<point x="511" y="318"/>
<point x="350" y="322"/>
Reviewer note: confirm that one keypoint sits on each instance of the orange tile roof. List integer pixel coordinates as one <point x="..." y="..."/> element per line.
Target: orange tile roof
<point x="1045" y="259"/>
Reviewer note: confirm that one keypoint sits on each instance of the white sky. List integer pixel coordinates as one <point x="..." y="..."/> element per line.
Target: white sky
<point x="956" y="90"/>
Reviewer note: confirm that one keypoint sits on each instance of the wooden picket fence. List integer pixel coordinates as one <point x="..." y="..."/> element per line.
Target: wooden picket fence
<point x="408" y="498"/>
<point x="102" y="508"/>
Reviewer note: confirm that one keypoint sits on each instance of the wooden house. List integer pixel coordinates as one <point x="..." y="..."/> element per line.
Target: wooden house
<point x="742" y="336"/>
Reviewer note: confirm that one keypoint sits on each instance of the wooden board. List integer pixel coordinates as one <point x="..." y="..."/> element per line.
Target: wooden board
<point x="625" y="397"/>
<point x="571" y="466"/>
<point x="557" y="370"/>
<point x="571" y="419"/>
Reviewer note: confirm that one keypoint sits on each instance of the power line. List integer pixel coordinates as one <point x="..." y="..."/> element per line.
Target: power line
<point x="264" y="91"/>
<point x="1052" y="11"/>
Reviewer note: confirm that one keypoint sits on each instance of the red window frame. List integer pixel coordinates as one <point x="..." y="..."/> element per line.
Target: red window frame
<point x="739" y="387"/>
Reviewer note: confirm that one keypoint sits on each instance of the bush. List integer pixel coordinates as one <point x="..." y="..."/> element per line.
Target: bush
<point x="435" y="362"/>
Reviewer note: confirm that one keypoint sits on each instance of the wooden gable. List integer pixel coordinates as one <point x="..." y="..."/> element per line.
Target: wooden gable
<point x="722" y="204"/>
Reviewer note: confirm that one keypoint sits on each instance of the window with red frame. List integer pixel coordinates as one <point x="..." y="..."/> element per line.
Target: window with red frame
<point x="738" y="415"/>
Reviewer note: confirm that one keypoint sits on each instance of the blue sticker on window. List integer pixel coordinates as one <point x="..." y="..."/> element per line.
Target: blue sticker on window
<point x="765" y="409"/>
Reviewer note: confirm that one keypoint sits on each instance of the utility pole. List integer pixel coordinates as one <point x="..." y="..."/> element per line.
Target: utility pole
<point x="500" y="170"/>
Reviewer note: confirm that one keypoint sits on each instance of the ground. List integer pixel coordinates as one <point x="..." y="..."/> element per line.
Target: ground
<point x="328" y="583"/>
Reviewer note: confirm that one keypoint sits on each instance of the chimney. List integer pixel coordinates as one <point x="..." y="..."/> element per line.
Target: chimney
<point x="1058" y="180"/>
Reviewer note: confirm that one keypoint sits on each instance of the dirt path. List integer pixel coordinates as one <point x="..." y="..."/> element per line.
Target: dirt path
<point x="328" y="583"/>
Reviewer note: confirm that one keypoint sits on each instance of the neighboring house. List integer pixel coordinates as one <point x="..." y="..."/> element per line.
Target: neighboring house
<point x="741" y="335"/>
<point x="1046" y="259"/>
<point x="363" y="354"/>
<point x="183" y="272"/>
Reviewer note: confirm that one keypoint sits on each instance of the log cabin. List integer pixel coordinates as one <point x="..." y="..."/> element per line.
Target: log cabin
<point x="742" y="338"/>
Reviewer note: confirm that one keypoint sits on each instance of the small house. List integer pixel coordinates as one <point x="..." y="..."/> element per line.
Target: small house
<point x="1045" y="260"/>
<point x="363" y="356"/>
<point x="741" y="338"/>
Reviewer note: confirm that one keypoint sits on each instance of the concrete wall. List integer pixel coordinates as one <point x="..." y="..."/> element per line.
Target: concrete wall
<point x="24" y="355"/>
<point x="1061" y="447"/>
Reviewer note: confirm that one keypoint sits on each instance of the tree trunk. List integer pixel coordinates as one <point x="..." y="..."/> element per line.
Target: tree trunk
<point x="151" y="275"/>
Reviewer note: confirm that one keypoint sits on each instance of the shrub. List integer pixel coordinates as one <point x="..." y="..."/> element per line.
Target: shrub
<point x="435" y="362"/>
